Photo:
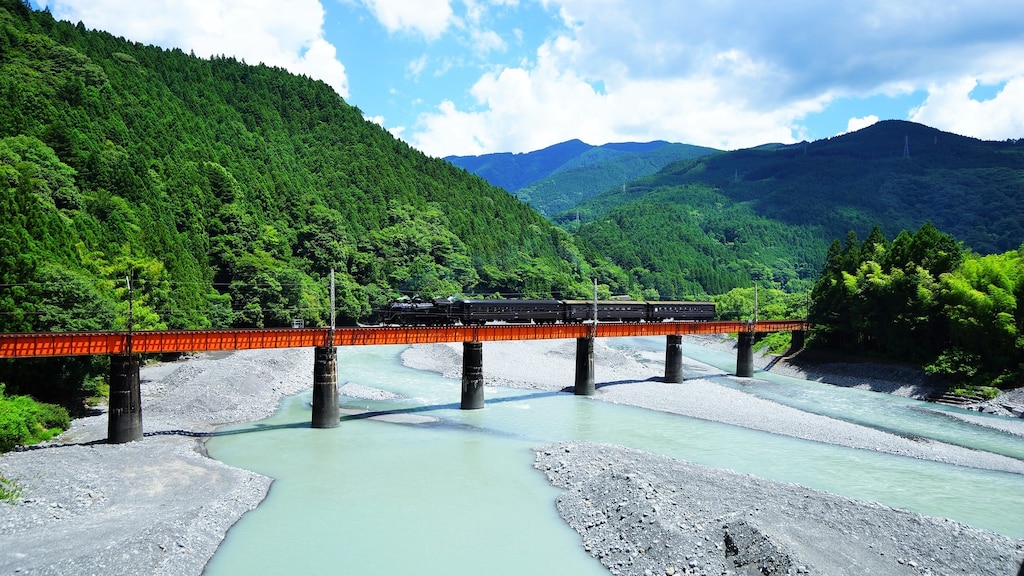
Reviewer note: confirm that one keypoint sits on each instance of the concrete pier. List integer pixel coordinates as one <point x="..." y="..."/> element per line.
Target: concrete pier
<point x="798" y="338"/>
<point x="745" y="355"/>
<point x="584" y="367"/>
<point x="472" y="375"/>
<point x="124" y="419"/>
<point x="673" y="359"/>
<point x="326" y="413"/>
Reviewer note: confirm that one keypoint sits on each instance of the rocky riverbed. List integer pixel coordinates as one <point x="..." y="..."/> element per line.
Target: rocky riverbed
<point x="159" y="506"/>
<point x="642" y="514"/>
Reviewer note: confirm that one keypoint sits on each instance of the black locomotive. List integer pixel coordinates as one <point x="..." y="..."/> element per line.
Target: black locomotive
<point x="447" y="311"/>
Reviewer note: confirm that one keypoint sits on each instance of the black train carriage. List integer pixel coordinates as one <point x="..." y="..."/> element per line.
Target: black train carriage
<point x="664" y="311"/>
<point x="607" y="311"/>
<point x="444" y="311"/>
<point x="633" y="311"/>
<point x="512" y="311"/>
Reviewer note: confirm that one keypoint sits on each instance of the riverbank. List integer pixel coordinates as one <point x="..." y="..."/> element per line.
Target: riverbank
<point x="159" y="506"/>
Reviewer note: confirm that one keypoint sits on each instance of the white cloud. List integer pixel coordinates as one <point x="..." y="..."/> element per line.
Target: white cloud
<point x="258" y="31"/>
<point x="417" y="66"/>
<point x="855" y="124"/>
<point x="524" y="109"/>
<point x="950" y="107"/>
<point x="430" y="18"/>
<point x="728" y="74"/>
<point x="486" y="41"/>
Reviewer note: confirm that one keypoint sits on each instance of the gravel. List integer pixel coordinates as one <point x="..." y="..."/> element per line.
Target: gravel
<point x="643" y="514"/>
<point x="160" y="506"/>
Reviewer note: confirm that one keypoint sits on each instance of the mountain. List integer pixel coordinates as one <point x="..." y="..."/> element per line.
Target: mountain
<point x="226" y="193"/>
<point x="513" y="171"/>
<point x="768" y="214"/>
<point x="560" y="176"/>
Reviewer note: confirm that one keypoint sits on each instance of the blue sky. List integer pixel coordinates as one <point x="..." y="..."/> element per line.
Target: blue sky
<point x="477" y="76"/>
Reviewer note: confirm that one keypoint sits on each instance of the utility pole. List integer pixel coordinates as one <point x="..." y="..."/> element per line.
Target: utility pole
<point x="131" y="313"/>
<point x="330" y="337"/>
<point x="755" y="303"/>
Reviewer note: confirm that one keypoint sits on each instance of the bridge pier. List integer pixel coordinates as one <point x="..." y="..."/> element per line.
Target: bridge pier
<point x="584" y="367"/>
<point x="673" y="359"/>
<point x="326" y="413"/>
<point x="124" y="418"/>
<point x="798" y="338"/>
<point x="472" y="375"/>
<point x="745" y="355"/>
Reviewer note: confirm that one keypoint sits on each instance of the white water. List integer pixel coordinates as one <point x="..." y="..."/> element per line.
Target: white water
<point x="458" y="495"/>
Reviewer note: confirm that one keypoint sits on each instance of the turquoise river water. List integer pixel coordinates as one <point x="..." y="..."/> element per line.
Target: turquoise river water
<point x="458" y="494"/>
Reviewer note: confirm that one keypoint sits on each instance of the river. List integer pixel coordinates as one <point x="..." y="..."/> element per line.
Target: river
<point x="438" y="490"/>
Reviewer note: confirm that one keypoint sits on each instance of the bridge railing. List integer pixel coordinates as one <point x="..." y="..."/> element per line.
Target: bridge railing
<point x="21" y="345"/>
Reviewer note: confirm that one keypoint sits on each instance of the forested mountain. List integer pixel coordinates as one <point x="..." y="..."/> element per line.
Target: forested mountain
<point x="768" y="214"/>
<point x="561" y="176"/>
<point x="227" y="192"/>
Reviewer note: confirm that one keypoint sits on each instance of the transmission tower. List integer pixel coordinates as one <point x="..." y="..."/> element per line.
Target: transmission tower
<point x="906" y="146"/>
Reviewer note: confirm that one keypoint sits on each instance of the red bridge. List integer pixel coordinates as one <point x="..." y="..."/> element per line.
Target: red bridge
<point x="125" y="414"/>
<point x="164" y="341"/>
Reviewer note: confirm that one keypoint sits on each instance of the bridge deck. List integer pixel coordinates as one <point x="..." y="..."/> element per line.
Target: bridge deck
<point x="90" y="343"/>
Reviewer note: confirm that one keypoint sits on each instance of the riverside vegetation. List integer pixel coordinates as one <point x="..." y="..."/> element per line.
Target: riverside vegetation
<point x="226" y="193"/>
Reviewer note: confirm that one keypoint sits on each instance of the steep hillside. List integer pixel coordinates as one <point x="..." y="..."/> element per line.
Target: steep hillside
<point x="768" y="214"/>
<point x="227" y="193"/>
<point x="969" y="188"/>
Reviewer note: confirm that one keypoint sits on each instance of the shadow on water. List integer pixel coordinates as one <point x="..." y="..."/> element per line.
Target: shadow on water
<point x="449" y="406"/>
<point x="258" y="427"/>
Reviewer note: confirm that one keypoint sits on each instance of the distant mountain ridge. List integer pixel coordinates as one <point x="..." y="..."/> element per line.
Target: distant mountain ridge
<point x="894" y="174"/>
<point x="768" y="214"/>
<point x="560" y="176"/>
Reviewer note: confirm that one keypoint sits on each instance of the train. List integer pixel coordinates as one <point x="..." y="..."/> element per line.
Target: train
<point x="448" y="311"/>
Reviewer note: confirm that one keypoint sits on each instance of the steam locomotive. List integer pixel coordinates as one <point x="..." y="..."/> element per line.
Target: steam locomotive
<point x="447" y="311"/>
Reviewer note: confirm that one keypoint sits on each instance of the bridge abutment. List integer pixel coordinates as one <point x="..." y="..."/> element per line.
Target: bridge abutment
<point x="745" y="355"/>
<point x="472" y="375"/>
<point x="584" y="385"/>
<point x="326" y="413"/>
<point x="124" y="418"/>
<point x="673" y="359"/>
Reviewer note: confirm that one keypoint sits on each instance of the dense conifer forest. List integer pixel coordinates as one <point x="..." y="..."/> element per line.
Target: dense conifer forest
<point x="226" y="193"/>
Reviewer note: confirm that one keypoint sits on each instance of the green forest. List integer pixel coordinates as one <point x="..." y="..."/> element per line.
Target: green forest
<point x="225" y="194"/>
<point x="767" y="214"/>
<point x="923" y="298"/>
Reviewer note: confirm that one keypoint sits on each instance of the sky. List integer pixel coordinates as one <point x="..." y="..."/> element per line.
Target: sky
<point x="470" y="77"/>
